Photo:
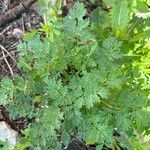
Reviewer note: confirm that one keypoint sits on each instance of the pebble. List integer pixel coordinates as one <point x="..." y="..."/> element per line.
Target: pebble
<point x="8" y="134"/>
<point x="17" y="33"/>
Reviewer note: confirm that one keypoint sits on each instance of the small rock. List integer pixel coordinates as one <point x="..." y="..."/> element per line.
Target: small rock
<point x="8" y="134"/>
<point x="18" y="33"/>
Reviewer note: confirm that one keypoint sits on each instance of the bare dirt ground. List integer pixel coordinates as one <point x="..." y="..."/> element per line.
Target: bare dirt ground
<point x="11" y="32"/>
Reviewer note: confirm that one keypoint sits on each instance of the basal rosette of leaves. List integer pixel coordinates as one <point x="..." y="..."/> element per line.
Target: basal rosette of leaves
<point x="79" y="81"/>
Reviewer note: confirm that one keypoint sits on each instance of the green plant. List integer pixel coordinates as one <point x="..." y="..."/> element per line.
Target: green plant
<point x="79" y="81"/>
<point x="4" y="145"/>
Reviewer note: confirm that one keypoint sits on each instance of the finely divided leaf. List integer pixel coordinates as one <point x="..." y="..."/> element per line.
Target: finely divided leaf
<point x="78" y="11"/>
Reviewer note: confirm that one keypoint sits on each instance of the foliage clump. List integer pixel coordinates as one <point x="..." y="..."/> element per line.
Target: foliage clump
<point x="81" y="79"/>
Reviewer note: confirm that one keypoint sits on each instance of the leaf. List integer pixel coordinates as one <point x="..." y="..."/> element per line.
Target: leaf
<point x="123" y="122"/>
<point x="92" y="137"/>
<point x="65" y="138"/>
<point x="112" y="48"/>
<point x="7" y="84"/>
<point x="78" y="11"/>
<point x="120" y="14"/>
<point x="142" y="7"/>
<point x="6" y="91"/>
<point x="100" y="17"/>
<point x="24" y="65"/>
<point x="99" y="147"/>
<point x="74" y="23"/>
<point x="112" y="44"/>
<point x="103" y="92"/>
<point x="3" y="97"/>
<point x="110" y="3"/>
<point x="28" y="36"/>
<point x="70" y="25"/>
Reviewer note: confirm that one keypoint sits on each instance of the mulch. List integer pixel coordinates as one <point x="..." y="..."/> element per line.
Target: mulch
<point x="24" y="21"/>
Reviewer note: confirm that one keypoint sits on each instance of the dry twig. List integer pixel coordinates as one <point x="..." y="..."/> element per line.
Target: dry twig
<point x="3" y="49"/>
<point x="15" y="12"/>
<point x="12" y="52"/>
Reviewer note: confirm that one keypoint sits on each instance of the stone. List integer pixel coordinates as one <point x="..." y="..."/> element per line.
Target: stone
<point x="8" y="134"/>
<point x="17" y="33"/>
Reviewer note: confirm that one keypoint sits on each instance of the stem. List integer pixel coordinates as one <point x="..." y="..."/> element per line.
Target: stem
<point x="117" y="108"/>
<point x="132" y="27"/>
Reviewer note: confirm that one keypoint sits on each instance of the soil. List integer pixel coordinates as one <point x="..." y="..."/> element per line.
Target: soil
<point x="10" y="37"/>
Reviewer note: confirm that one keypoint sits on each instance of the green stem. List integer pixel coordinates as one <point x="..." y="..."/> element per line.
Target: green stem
<point x="117" y="108"/>
<point x="132" y="27"/>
